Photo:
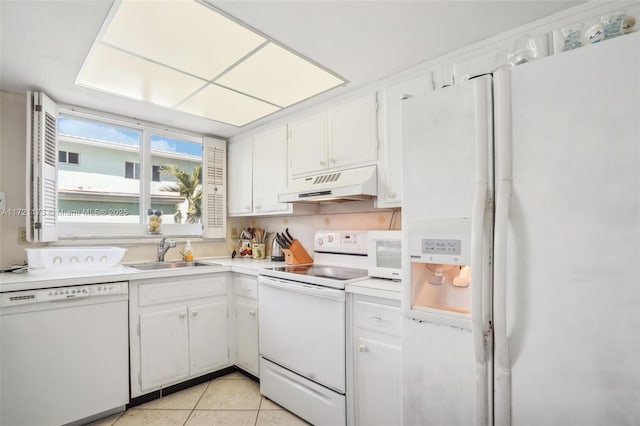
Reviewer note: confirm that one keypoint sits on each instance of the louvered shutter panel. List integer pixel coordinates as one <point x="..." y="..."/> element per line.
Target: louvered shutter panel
<point x="42" y="160"/>
<point x="214" y="188"/>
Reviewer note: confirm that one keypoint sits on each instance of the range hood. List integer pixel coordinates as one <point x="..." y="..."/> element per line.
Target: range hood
<point x="344" y="185"/>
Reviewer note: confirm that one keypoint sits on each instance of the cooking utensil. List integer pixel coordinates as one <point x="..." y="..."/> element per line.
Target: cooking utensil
<point x="285" y="239"/>
<point x="282" y="241"/>
<point x="291" y="239"/>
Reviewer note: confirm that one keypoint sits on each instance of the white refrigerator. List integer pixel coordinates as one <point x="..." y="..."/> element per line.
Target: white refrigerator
<point x="521" y="237"/>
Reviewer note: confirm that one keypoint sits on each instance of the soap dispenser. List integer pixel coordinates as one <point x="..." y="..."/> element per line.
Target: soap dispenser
<point x="188" y="252"/>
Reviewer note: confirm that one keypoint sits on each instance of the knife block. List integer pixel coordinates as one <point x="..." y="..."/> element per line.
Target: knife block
<point x="296" y="254"/>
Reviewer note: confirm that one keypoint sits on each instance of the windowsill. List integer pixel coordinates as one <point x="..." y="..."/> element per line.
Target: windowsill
<point x="124" y="240"/>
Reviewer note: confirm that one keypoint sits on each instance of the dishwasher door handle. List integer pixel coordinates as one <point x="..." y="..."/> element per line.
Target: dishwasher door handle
<point x="307" y="289"/>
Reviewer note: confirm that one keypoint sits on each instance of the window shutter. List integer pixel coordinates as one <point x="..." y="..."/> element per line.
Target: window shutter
<point x="214" y="188"/>
<point x="42" y="156"/>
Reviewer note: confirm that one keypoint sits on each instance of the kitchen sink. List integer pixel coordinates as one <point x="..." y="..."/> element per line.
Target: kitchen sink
<point x="170" y="265"/>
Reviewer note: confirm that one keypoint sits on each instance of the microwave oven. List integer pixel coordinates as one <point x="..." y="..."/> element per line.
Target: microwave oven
<point x="385" y="254"/>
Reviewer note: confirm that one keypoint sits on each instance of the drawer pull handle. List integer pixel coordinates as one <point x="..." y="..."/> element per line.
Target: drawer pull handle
<point x="252" y="313"/>
<point x="377" y="318"/>
<point x="182" y="315"/>
<point x="362" y="348"/>
<point x="194" y="313"/>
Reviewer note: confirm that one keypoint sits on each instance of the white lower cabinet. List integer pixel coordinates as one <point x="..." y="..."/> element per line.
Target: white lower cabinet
<point x="164" y="351"/>
<point x="208" y="346"/>
<point x="246" y="326"/>
<point x="376" y="380"/>
<point x="179" y="329"/>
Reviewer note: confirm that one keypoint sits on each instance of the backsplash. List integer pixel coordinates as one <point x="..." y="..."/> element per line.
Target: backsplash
<point x="304" y="228"/>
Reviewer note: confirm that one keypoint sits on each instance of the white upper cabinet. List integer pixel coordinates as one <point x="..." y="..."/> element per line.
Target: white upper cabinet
<point x="308" y="149"/>
<point x="240" y="174"/>
<point x="270" y="171"/>
<point x="258" y="173"/>
<point x="353" y="132"/>
<point x="343" y="136"/>
<point x="390" y="164"/>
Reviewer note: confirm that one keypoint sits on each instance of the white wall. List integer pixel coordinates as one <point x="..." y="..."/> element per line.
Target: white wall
<point x="303" y="228"/>
<point x="13" y="136"/>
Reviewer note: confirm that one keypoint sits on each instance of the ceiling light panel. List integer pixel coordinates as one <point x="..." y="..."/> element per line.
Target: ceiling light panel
<point x="227" y="106"/>
<point x="111" y="70"/>
<point x="279" y="76"/>
<point x="182" y="34"/>
<point x="166" y="51"/>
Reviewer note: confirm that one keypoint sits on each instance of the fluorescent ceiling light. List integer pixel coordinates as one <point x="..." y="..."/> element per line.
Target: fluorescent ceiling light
<point x="284" y="78"/>
<point x="226" y="105"/>
<point x="178" y="53"/>
<point x="111" y="70"/>
<point x="182" y="34"/>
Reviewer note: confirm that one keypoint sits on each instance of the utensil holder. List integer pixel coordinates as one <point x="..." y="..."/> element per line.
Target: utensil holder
<point x="296" y="254"/>
<point x="258" y="251"/>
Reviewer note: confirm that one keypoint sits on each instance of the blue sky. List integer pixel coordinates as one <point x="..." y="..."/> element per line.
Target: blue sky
<point x="91" y="130"/>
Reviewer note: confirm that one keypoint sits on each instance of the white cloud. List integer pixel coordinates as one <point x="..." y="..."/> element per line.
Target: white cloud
<point x="162" y="145"/>
<point x="86" y="129"/>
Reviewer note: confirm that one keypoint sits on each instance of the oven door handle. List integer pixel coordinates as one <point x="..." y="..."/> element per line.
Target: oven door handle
<point x="307" y="289"/>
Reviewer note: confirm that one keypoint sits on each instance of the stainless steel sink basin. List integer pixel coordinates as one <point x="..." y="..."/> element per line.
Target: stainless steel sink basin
<point x="170" y="265"/>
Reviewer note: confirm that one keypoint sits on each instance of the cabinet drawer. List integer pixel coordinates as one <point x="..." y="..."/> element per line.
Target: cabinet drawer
<point x="378" y="317"/>
<point x="181" y="288"/>
<point x="246" y="285"/>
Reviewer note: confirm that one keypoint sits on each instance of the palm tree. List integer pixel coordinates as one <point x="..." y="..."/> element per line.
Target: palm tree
<point x="189" y="187"/>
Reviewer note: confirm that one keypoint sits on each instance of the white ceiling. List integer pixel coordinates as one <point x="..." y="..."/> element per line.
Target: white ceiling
<point x="44" y="43"/>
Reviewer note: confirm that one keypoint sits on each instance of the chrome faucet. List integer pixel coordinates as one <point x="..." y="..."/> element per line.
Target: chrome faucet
<point x="162" y="250"/>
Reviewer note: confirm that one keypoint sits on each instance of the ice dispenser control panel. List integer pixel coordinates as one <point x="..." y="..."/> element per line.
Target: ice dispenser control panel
<point x="440" y="246"/>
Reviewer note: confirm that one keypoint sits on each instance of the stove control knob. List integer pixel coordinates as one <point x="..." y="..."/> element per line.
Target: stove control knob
<point x="320" y="241"/>
<point x="330" y="238"/>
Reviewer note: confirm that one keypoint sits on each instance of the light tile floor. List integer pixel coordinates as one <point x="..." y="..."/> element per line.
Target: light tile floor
<point x="233" y="399"/>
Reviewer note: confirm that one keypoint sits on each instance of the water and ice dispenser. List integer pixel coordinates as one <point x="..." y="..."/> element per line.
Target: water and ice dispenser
<point x="439" y="269"/>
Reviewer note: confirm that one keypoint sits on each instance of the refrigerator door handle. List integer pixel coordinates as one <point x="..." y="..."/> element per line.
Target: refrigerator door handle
<point x="479" y="258"/>
<point x="478" y="227"/>
<point x="502" y="365"/>
<point x="504" y="176"/>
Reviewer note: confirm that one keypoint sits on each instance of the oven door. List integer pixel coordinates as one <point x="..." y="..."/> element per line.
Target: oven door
<point x="302" y="328"/>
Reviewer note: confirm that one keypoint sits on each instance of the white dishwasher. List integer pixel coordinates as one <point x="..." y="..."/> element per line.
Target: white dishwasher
<point x="63" y="354"/>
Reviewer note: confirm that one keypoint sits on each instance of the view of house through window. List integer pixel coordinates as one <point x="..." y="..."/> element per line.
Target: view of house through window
<point x="125" y="172"/>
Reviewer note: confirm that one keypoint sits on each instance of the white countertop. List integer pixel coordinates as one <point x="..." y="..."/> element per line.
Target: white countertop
<point x="47" y="279"/>
<point x="377" y="287"/>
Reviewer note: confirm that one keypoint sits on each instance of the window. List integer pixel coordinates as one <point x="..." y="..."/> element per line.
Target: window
<point x="162" y="171"/>
<point x="68" y="157"/>
<point x="155" y="173"/>
<point x="131" y="170"/>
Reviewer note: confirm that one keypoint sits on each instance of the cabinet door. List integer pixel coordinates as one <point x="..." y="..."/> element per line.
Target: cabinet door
<point x="164" y="356"/>
<point x="377" y="375"/>
<point x="270" y="170"/>
<point x="247" y="335"/>
<point x="308" y="145"/>
<point x="353" y="132"/>
<point x="240" y="169"/>
<point x="208" y="341"/>
<point x="390" y="169"/>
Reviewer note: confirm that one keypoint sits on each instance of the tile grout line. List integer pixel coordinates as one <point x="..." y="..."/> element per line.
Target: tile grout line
<point x="259" y="408"/>
<point x="196" y="404"/>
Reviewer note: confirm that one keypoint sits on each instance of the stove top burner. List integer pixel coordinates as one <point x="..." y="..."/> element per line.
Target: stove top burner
<point x="322" y="271"/>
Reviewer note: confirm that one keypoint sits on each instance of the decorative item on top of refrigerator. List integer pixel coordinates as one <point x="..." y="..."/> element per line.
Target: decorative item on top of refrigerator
<point x="439" y="253"/>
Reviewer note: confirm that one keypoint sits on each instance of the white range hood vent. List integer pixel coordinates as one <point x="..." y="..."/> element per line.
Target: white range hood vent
<point x="343" y="185"/>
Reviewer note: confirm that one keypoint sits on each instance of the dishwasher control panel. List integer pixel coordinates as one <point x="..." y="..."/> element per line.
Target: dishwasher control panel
<point x="63" y="293"/>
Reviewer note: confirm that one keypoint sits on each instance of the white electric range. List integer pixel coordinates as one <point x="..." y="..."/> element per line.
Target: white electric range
<point x="302" y="327"/>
